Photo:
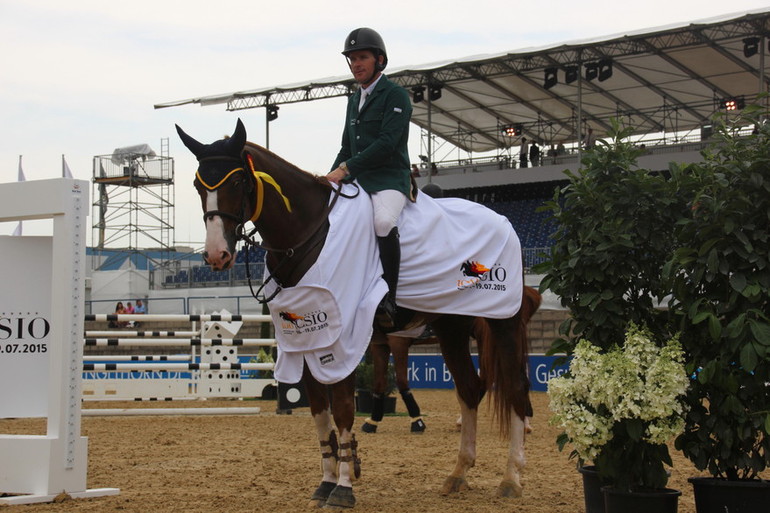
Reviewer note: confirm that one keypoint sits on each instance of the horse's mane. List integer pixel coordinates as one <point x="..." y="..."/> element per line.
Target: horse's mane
<point x="254" y="148"/>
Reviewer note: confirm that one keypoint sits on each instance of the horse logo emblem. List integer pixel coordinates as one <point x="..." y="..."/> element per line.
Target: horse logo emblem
<point x="290" y="317"/>
<point x="473" y="269"/>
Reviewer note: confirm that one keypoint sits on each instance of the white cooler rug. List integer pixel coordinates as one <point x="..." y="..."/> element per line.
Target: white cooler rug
<point x="457" y="257"/>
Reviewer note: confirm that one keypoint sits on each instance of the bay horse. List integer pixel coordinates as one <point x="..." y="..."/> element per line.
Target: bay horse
<point x="240" y="182"/>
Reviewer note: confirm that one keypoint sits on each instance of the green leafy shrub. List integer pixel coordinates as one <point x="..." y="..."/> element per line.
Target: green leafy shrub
<point x="615" y="232"/>
<point x="721" y="289"/>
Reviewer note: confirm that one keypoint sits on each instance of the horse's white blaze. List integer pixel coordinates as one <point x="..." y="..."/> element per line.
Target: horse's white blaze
<point x="323" y="425"/>
<point x="216" y="244"/>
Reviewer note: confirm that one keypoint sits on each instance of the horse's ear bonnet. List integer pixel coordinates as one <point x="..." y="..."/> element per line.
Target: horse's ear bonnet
<point x="230" y="147"/>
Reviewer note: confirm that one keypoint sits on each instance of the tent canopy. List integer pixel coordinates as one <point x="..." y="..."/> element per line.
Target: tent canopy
<point x="668" y="79"/>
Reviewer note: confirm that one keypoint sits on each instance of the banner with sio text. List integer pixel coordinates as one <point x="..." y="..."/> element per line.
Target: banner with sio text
<point x="25" y="313"/>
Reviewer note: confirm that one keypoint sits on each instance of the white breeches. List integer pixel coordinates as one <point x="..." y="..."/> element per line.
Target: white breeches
<point x="387" y="206"/>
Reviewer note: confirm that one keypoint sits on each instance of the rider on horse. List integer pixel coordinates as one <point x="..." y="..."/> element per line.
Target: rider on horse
<point x="374" y="152"/>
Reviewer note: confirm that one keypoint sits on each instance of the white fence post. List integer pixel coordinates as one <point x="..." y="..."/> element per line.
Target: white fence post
<point x="37" y="468"/>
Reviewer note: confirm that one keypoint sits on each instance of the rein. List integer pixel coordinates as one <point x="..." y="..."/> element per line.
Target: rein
<point x="288" y="252"/>
<point x="248" y="238"/>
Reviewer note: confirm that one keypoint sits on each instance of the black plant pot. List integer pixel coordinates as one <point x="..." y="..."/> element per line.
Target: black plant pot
<point x="658" y="500"/>
<point x="592" y="489"/>
<point x="713" y="495"/>
<point x="364" y="402"/>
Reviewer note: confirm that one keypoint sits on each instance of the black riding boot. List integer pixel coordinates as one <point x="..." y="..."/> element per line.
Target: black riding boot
<point x="390" y="256"/>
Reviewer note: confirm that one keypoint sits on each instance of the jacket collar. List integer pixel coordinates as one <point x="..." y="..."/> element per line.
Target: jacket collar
<point x="378" y="87"/>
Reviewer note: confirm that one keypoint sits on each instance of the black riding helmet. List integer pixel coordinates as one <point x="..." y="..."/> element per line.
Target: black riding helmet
<point x="367" y="39"/>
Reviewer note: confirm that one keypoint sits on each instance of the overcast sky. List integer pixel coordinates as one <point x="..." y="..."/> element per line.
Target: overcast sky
<point x="80" y="77"/>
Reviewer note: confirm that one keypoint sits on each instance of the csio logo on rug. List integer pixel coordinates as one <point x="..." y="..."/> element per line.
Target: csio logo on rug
<point x="478" y="276"/>
<point x="303" y="323"/>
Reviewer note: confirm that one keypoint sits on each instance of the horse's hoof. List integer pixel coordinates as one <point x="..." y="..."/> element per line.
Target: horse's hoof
<point x="509" y="489"/>
<point x="322" y="493"/>
<point x="418" y="426"/>
<point x="453" y="485"/>
<point x="341" y="497"/>
<point x="369" y="428"/>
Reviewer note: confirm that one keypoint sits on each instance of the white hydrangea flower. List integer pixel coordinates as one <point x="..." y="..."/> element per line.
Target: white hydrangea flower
<point x="638" y="381"/>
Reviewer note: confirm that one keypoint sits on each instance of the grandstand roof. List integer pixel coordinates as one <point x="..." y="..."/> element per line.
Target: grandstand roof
<point x="667" y="79"/>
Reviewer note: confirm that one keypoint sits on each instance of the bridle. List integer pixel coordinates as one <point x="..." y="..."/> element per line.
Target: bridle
<point x="260" y="178"/>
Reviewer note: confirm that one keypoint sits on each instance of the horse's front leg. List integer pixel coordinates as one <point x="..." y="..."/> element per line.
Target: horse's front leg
<point x="327" y="437"/>
<point x="349" y="464"/>
<point x="380" y="352"/>
<point x="399" y="346"/>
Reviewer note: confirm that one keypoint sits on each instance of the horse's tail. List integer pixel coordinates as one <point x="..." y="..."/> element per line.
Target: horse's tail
<point x="503" y="348"/>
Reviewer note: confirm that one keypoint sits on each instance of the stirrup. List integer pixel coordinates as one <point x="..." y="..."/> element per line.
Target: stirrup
<point x="385" y="317"/>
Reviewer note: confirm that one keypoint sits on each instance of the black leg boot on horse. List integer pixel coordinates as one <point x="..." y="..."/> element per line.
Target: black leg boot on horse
<point x="417" y="426"/>
<point x="389" y="317"/>
<point x="378" y="410"/>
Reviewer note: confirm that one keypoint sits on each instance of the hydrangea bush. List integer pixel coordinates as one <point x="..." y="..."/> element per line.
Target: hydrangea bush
<point x="619" y="408"/>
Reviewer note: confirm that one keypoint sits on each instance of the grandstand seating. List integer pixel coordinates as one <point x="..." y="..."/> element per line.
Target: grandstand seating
<point x="203" y="276"/>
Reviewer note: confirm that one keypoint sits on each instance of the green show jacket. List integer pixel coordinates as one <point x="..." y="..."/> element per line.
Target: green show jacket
<point x="374" y="142"/>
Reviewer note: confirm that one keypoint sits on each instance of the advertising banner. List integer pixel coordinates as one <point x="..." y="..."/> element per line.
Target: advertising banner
<point x="430" y="371"/>
<point x="25" y="313"/>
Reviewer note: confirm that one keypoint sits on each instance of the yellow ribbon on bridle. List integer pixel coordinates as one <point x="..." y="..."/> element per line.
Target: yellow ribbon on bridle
<point x="259" y="176"/>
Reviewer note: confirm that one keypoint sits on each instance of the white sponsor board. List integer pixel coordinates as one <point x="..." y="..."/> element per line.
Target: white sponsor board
<point x="41" y="307"/>
<point x="25" y="326"/>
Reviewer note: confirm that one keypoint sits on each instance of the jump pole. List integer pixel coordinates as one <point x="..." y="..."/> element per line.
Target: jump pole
<point x="124" y="412"/>
<point x="48" y="317"/>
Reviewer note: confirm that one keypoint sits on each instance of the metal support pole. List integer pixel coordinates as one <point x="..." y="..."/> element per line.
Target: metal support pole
<point x="267" y="127"/>
<point x="430" y="139"/>
<point x="762" y="87"/>
<point x="580" y="108"/>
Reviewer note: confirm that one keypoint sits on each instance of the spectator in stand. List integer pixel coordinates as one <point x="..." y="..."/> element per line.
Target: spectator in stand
<point x="119" y="310"/>
<point x="588" y="141"/>
<point x="415" y="171"/>
<point x="552" y="154"/>
<point x="139" y="309"/>
<point x="534" y="154"/>
<point x="560" y="149"/>
<point x="523" y="152"/>
<point x="433" y="169"/>
<point x="129" y="308"/>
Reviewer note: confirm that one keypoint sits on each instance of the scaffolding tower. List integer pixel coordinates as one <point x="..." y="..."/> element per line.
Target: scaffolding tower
<point x="133" y="201"/>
